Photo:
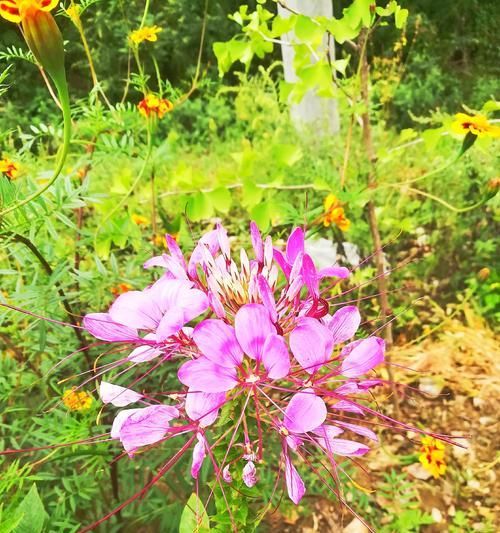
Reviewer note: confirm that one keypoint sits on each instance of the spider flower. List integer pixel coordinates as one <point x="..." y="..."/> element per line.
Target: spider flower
<point x="255" y="335"/>
<point x="40" y="31"/>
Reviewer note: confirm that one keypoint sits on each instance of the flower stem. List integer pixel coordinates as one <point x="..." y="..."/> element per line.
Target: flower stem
<point x="62" y="90"/>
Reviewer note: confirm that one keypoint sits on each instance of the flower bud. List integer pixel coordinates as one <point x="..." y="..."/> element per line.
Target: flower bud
<point x="45" y="41"/>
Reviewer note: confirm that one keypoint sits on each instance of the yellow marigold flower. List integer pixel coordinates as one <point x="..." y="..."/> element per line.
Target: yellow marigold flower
<point x="77" y="400"/>
<point x="432" y="456"/>
<point x="139" y="219"/>
<point x="151" y="105"/>
<point x="148" y="33"/>
<point x="73" y="13"/>
<point x="158" y="240"/>
<point x="121" y="288"/>
<point x="9" y="168"/>
<point x="334" y="213"/>
<point x="476" y="124"/>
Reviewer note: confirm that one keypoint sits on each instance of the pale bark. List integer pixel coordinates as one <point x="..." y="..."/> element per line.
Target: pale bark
<point x="313" y="110"/>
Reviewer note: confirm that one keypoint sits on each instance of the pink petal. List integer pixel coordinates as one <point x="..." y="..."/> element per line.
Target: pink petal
<point x="217" y="341"/>
<point x="223" y="241"/>
<point x="216" y="305"/>
<point x="328" y="432"/>
<point x="249" y="474"/>
<point x="305" y="412"/>
<point x="350" y="407"/>
<point x="275" y="357"/>
<point x="267" y="297"/>
<point x="158" y="260"/>
<point x="175" y="250"/>
<point x="209" y="242"/>
<point x="369" y="383"/>
<point x="140" y="427"/>
<point x="204" y="375"/>
<point x="344" y="447"/>
<point x="310" y="276"/>
<point x="146" y="352"/>
<point x="366" y="355"/>
<point x="282" y="262"/>
<point x="256" y="238"/>
<point x="347" y="388"/>
<point x="334" y="272"/>
<point x="253" y="325"/>
<point x="296" y="270"/>
<point x="360" y="430"/>
<point x="344" y="323"/>
<point x="311" y="343"/>
<point x="226" y="474"/>
<point x="116" y="395"/>
<point x="294" y="484"/>
<point x="103" y="327"/>
<point x="295" y="244"/>
<point x="136" y="310"/>
<point x="170" y="324"/>
<point x="199" y="454"/>
<point x="203" y="407"/>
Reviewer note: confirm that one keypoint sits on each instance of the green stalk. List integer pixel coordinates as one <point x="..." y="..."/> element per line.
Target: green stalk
<point x="62" y="90"/>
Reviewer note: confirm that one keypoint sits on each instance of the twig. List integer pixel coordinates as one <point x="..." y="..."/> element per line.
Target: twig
<point x="372" y="215"/>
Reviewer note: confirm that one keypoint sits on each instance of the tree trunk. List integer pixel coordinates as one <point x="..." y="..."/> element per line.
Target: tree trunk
<point x="312" y="110"/>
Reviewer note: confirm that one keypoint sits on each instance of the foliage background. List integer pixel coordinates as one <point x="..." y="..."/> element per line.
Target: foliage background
<point x="228" y="152"/>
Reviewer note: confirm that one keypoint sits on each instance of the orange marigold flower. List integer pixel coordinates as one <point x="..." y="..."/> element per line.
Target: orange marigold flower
<point x="40" y="32"/>
<point x="334" y="213"/>
<point x="121" y="288"/>
<point x="77" y="400"/>
<point x="476" y="124"/>
<point x="139" y="219"/>
<point x="432" y="456"/>
<point x="9" y="168"/>
<point x="15" y="10"/>
<point x="148" y="33"/>
<point x="151" y="105"/>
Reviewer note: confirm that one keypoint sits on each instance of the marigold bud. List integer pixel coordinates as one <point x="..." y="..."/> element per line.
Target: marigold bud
<point x="484" y="274"/>
<point x="45" y="41"/>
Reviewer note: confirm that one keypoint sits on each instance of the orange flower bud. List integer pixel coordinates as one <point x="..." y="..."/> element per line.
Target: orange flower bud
<point x="45" y="41"/>
<point x="40" y="31"/>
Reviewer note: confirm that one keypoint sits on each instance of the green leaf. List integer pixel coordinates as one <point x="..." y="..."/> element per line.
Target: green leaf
<point x="340" y="65"/>
<point x="252" y="194"/>
<point x="469" y="140"/>
<point x="34" y="514"/>
<point x="194" y="518"/>
<point x="431" y="137"/>
<point x="286" y="154"/>
<point x="199" y="207"/>
<point x="308" y="30"/>
<point x="341" y="30"/>
<point x="261" y="215"/>
<point x="401" y="17"/>
<point x="221" y="199"/>
<point x="282" y="25"/>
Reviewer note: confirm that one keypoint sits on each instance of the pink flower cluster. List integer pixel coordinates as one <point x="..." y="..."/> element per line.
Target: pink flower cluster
<point x="256" y="336"/>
